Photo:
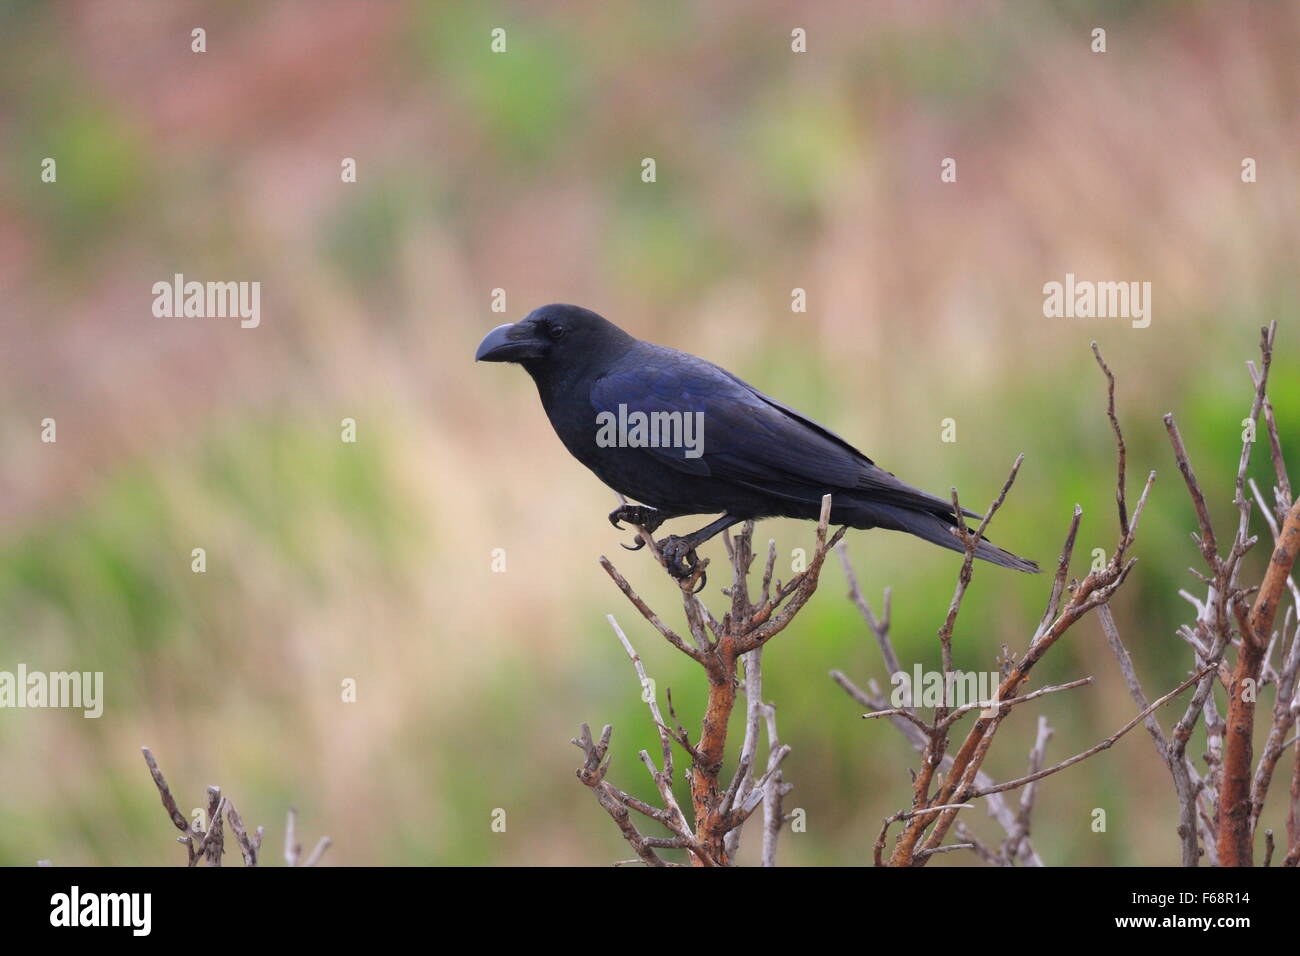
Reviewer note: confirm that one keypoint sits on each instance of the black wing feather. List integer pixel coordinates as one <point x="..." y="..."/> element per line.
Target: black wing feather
<point x="749" y="438"/>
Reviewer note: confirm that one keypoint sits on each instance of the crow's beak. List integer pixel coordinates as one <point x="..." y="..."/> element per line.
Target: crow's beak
<point x="509" y="343"/>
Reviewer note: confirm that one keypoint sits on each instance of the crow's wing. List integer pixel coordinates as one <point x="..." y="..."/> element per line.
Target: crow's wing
<point x="748" y="438"/>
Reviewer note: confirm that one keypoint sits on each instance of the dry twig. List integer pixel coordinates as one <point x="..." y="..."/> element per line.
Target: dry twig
<point x="208" y="844"/>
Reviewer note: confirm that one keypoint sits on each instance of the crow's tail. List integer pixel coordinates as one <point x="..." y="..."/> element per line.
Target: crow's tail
<point x="937" y="529"/>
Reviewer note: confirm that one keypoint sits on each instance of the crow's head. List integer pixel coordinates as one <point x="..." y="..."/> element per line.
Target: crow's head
<point x="551" y="336"/>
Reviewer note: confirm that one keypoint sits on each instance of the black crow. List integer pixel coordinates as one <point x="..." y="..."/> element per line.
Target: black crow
<point x="686" y="437"/>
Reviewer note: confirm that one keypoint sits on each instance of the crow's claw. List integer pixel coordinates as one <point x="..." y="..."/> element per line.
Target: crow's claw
<point x="679" y="556"/>
<point x="678" y="553"/>
<point x="647" y="518"/>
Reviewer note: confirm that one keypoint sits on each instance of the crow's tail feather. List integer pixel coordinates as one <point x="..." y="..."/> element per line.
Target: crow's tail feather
<point x="938" y="529"/>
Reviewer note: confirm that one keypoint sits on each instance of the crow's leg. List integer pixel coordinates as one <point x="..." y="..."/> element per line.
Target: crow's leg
<point x="648" y="518"/>
<point x="679" y="552"/>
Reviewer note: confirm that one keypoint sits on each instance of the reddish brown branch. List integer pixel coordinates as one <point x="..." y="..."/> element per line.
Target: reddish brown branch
<point x="1236" y="846"/>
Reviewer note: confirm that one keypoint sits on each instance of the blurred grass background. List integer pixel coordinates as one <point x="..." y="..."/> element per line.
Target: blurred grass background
<point x="521" y="171"/>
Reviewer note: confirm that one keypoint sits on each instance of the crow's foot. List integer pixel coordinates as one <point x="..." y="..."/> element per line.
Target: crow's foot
<point x="680" y="559"/>
<point x="647" y="518"/>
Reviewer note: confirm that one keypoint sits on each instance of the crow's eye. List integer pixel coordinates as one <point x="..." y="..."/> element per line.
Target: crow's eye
<point x="556" y="332"/>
